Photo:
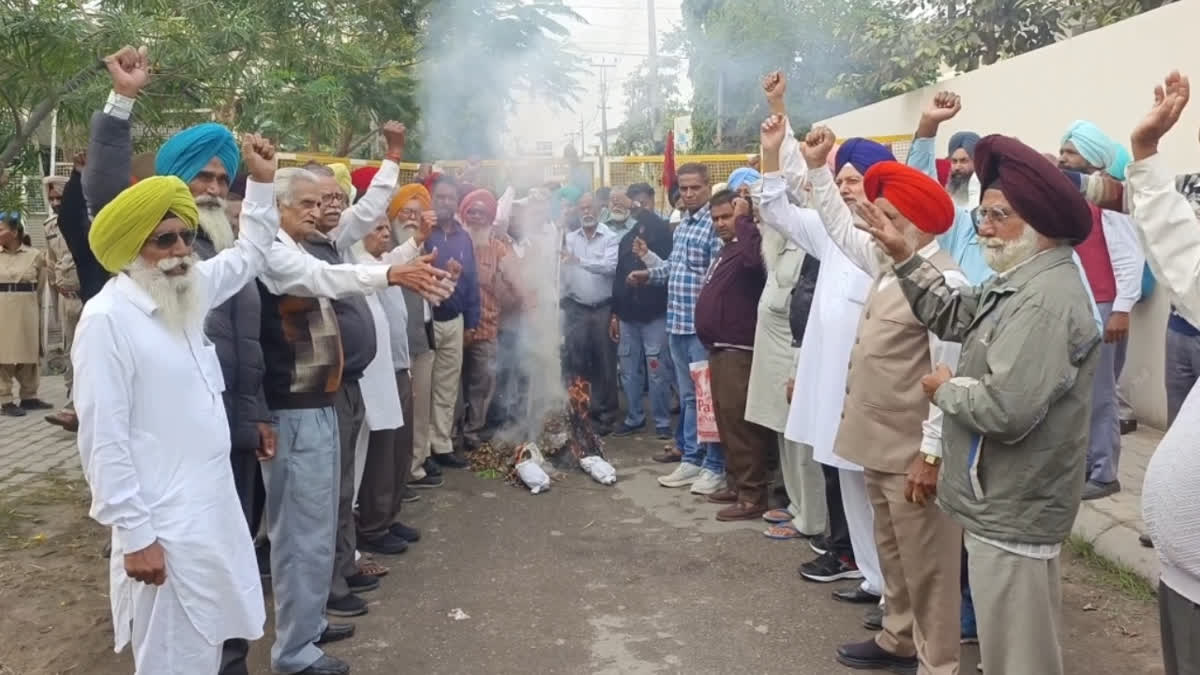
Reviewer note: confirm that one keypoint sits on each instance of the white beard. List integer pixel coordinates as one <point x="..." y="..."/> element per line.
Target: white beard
<point x="1002" y="255"/>
<point x="177" y="297"/>
<point x="214" y="223"/>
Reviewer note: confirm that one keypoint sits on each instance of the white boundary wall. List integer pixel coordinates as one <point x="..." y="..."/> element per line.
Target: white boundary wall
<point x="1106" y="76"/>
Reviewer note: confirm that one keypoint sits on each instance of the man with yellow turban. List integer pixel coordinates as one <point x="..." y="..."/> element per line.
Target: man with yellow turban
<point x="153" y="436"/>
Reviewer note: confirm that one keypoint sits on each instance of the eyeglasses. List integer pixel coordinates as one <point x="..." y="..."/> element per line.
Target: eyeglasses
<point x="994" y="214"/>
<point x="167" y="240"/>
<point x="333" y="198"/>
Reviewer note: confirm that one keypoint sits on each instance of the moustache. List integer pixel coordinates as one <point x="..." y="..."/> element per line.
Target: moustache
<point x="172" y="264"/>
<point x="210" y="202"/>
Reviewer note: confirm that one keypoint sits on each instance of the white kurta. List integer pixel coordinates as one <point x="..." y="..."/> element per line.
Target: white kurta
<point x="841" y="292"/>
<point x="154" y="443"/>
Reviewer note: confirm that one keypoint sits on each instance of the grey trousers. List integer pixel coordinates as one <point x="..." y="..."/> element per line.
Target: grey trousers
<point x="805" y="485"/>
<point x="1018" y="610"/>
<point x="301" y="518"/>
<point x="592" y="355"/>
<point x="1104" y="444"/>
<point x="1179" y="619"/>
<point x="1182" y="369"/>
<point x="388" y="467"/>
<point x="478" y="387"/>
<point x="350" y="415"/>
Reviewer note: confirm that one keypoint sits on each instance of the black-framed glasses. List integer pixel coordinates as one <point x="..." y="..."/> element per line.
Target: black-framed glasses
<point x="167" y="240"/>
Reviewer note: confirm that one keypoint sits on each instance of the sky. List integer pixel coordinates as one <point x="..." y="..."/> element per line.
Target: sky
<point x="616" y="34"/>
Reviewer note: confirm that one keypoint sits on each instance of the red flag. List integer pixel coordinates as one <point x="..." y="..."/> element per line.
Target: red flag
<point x="669" y="179"/>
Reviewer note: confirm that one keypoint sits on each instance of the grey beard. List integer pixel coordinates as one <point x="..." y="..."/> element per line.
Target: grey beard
<point x="177" y="297"/>
<point x="214" y="223"/>
<point x="1002" y="255"/>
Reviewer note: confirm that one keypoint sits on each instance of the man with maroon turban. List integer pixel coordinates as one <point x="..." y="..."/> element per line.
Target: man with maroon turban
<point x="890" y="427"/>
<point x="1013" y="428"/>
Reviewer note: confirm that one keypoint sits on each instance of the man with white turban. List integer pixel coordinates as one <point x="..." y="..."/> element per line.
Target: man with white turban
<point x="153" y="436"/>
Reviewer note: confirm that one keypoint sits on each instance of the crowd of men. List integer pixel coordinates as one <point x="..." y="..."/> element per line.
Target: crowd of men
<point x="927" y="353"/>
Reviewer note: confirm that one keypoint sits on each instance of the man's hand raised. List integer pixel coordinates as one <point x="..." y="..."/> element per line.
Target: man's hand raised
<point x="420" y="275"/>
<point x="876" y="223"/>
<point x="395" y="134"/>
<point x="259" y="156"/>
<point x="775" y="86"/>
<point x="774" y="129"/>
<point x="1170" y="98"/>
<point x="817" y="145"/>
<point x="129" y="69"/>
<point x="945" y="105"/>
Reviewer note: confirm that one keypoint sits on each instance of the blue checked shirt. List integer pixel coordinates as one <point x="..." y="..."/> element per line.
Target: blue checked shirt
<point x="696" y="246"/>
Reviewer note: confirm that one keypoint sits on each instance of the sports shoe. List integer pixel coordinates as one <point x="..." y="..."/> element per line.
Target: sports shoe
<point x="12" y="410"/>
<point x="409" y="495"/>
<point x="35" y="404"/>
<point x="428" y="482"/>
<point x="1097" y="490"/>
<point x="708" y="483"/>
<point x="409" y="534"/>
<point x="684" y="475"/>
<point x="830" y="567"/>
<point x="819" y="544"/>
<point x="351" y="605"/>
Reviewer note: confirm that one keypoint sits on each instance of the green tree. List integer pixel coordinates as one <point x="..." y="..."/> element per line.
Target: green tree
<point x="636" y="135"/>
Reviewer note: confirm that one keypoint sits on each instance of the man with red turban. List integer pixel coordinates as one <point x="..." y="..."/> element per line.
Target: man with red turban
<point x="499" y="291"/>
<point x="1012" y="411"/>
<point x="891" y="429"/>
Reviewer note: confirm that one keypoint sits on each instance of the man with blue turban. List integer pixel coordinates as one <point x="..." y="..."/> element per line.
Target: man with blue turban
<point x="153" y="434"/>
<point x="1113" y="261"/>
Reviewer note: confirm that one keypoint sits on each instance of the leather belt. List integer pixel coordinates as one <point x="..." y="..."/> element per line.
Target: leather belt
<point x="23" y="287"/>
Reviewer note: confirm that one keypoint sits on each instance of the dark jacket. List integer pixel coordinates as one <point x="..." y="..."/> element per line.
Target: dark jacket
<point x="465" y="300"/>
<point x="73" y="223"/>
<point x="727" y="309"/>
<point x="353" y="317"/>
<point x="802" y="298"/>
<point x="641" y="304"/>
<point x="233" y="327"/>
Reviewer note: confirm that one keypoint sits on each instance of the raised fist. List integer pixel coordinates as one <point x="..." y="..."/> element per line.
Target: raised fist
<point x="774" y="128"/>
<point x="259" y="156"/>
<point x="394" y="133"/>
<point x="775" y="85"/>
<point x="129" y="69"/>
<point x="944" y="106"/>
<point x="817" y="146"/>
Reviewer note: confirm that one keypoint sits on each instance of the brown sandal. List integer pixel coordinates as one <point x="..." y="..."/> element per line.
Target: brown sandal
<point x="669" y="455"/>
<point x="369" y="566"/>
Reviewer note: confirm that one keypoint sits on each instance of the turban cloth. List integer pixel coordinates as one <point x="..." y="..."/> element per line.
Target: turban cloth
<point x="362" y="177"/>
<point x="719" y="187"/>
<point x="406" y="194"/>
<point x="1097" y="148"/>
<point x="743" y="176"/>
<point x="915" y="195"/>
<point x="943" y="171"/>
<point x="570" y="194"/>
<point x="861" y="154"/>
<point x="187" y="153"/>
<point x="341" y="175"/>
<point x="482" y="198"/>
<point x="123" y="225"/>
<point x="1037" y="189"/>
<point x="966" y="140"/>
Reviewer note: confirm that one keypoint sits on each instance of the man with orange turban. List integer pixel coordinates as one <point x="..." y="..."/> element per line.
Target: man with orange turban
<point x="893" y="431"/>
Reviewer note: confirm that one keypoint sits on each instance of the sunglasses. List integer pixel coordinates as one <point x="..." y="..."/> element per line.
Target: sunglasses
<point x="168" y="240"/>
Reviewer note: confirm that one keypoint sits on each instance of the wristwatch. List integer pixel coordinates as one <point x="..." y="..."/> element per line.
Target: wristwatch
<point x="931" y="460"/>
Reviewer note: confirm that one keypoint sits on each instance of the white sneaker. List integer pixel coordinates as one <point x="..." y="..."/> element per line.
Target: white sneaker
<point x="708" y="483"/>
<point x="684" y="475"/>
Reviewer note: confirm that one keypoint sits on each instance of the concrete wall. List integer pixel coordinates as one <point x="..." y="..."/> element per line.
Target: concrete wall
<point x="1106" y="76"/>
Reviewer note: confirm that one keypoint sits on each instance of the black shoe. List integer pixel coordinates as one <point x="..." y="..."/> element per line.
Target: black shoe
<point x="35" y="404"/>
<point x="388" y="544"/>
<point x="1097" y="490"/>
<point x="327" y="665"/>
<point x="830" y="567"/>
<point x="351" y="605"/>
<point x="431" y="467"/>
<point x="873" y="618"/>
<point x="626" y="430"/>
<point x="336" y="632"/>
<point x="1144" y="540"/>
<point x="409" y="495"/>
<point x="362" y="583"/>
<point x="451" y="460"/>
<point x="1128" y="426"/>
<point x="409" y="534"/>
<point x="12" y="410"/>
<point x="856" y="596"/>
<point x="429" y="482"/>
<point x="869" y="655"/>
<point x="819" y="544"/>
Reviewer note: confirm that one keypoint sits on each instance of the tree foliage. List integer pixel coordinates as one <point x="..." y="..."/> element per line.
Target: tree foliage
<point x="315" y="75"/>
<point x="636" y="135"/>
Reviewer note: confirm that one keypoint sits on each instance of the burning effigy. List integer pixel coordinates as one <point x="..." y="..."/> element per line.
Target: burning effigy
<point x="567" y="442"/>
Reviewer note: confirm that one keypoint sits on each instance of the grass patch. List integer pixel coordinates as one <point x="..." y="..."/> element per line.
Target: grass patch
<point x="23" y="513"/>
<point x="1111" y="573"/>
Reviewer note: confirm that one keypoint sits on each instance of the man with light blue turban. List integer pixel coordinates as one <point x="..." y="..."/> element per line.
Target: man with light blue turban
<point x="1113" y="262"/>
<point x="744" y="176"/>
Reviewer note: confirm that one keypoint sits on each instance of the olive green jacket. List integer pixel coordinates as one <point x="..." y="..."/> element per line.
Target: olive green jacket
<point x="1016" y="414"/>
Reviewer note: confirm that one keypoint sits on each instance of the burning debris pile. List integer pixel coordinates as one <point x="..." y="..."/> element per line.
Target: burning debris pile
<point x="567" y="442"/>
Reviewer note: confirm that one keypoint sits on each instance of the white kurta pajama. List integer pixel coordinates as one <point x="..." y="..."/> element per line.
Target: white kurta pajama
<point x="154" y="443"/>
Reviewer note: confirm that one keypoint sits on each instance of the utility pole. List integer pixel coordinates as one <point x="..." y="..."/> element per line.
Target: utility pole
<point x="720" y="105"/>
<point x="652" y="64"/>
<point x="603" y="66"/>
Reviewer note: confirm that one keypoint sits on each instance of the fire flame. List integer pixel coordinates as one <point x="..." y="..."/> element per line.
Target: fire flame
<point x="579" y="394"/>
